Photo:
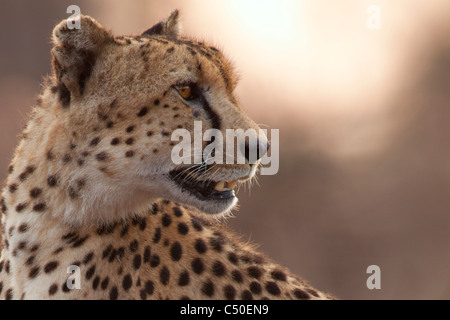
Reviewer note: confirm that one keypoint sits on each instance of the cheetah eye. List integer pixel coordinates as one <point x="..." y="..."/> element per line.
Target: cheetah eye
<point x="187" y="91"/>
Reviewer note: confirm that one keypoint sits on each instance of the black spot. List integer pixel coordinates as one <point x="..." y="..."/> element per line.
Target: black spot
<point x="246" y="295"/>
<point x="177" y="212"/>
<point x="107" y="251"/>
<point x="9" y="294"/>
<point x="184" y="279"/>
<point x="12" y="187"/>
<point x="34" y="272"/>
<point x="130" y="129"/>
<point x="218" y="268"/>
<point x="133" y="245"/>
<point x="30" y="260"/>
<point x="79" y="242"/>
<point x="255" y="287"/>
<point x="23" y="228"/>
<point x="104" y="283"/>
<point x="90" y="272"/>
<point x="254" y="272"/>
<point x="127" y="282"/>
<point x="170" y="50"/>
<point x="53" y="289"/>
<point x="109" y="124"/>
<point x="3" y="205"/>
<point x="101" y="156"/>
<point x="300" y="294"/>
<point x="278" y="275"/>
<point x="176" y="251"/>
<point x="183" y="228"/>
<point x="157" y="235"/>
<point x="147" y="254"/>
<point x="236" y="275"/>
<point x="197" y="266"/>
<point x="154" y="261"/>
<point x="165" y="106"/>
<point x="208" y="288"/>
<point x="149" y="133"/>
<point x="129" y="153"/>
<point x="143" y="112"/>
<point x="58" y="250"/>
<point x="149" y="287"/>
<point x="156" y="102"/>
<point x="137" y="261"/>
<point x="164" y="275"/>
<point x="21" y="206"/>
<point x="233" y="258"/>
<point x="51" y="266"/>
<point x="65" y="288"/>
<point x="124" y="230"/>
<point x="95" y="141"/>
<point x="10" y="169"/>
<point x="230" y="292"/>
<point x="35" y="192"/>
<point x="129" y="141"/>
<point x="142" y="224"/>
<point x="95" y="282"/>
<point x="120" y="253"/>
<point x="166" y="220"/>
<point x="273" y="288"/>
<point x="115" y="141"/>
<point x="88" y="257"/>
<point x="113" y="293"/>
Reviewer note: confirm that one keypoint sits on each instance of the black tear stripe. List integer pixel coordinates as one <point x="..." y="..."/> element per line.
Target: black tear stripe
<point x="212" y="115"/>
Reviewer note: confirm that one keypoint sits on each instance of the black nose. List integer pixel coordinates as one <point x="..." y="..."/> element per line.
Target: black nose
<point x="253" y="153"/>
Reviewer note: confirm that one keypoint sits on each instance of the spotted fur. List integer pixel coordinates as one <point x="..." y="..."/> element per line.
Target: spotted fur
<point x="87" y="181"/>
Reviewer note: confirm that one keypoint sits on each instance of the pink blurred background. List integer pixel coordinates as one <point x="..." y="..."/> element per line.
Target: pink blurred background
<point x="364" y="120"/>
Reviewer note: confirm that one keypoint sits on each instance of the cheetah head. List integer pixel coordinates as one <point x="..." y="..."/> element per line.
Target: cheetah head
<point x="119" y="100"/>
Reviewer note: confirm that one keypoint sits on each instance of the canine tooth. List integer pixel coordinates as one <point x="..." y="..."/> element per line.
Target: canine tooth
<point x="219" y="186"/>
<point x="232" y="184"/>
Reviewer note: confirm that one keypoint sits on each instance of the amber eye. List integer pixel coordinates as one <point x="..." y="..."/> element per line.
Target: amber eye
<point x="186" y="91"/>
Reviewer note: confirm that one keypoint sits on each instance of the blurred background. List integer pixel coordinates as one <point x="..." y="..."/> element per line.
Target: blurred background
<point x="363" y="114"/>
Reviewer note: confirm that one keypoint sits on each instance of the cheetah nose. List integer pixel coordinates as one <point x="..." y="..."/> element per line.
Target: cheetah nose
<point x="259" y="150"/>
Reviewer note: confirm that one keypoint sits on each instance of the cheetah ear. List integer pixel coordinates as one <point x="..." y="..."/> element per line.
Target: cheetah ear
<point x="168" y="27"/>
<point x="75" y="52"/>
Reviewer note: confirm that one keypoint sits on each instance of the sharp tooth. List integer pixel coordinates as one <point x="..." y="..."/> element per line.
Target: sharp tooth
<point x="219" y="186"/>
<point x="232" y="184"/>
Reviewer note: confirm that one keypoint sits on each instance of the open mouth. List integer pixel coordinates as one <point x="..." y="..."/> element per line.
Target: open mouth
<point x="204" y="189"/>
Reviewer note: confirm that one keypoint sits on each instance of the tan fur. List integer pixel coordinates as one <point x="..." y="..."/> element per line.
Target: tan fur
<point x="87" y="180"/>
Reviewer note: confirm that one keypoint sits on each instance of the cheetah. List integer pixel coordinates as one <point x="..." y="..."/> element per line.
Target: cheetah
<point x="92" y="186"/>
